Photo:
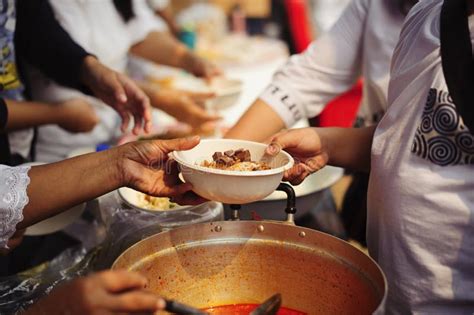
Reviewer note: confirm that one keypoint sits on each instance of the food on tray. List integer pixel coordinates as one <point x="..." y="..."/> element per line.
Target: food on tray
<point x="155" y="203"/>
<point x="238" y="160"/>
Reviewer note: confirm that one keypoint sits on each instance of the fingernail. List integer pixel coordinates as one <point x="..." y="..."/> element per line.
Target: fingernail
<point x="313" y="165"/>
<point x="122" y="98"/>
<point x="273" y="148"/>
<point x="192" y="138"/>
<point x="161" y="304"/>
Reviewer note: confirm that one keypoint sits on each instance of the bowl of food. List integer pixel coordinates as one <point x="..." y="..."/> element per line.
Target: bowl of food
<point x="144" y="202"/>
<point x="232" y="171"/>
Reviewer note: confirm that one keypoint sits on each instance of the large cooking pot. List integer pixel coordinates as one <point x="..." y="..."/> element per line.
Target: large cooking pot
<point x="236" y="262"/>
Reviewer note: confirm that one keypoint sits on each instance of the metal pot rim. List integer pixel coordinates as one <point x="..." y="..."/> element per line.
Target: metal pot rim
<point x="255" y="230"/>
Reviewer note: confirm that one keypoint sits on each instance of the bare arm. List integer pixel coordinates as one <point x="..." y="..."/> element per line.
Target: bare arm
<point x="74" y="115"/>
<point x="186" y="107"/>
<point x="68" y="183"/>
<point x="23" y="115"/>
<point x="163" y="48"/>
<point x="258" y="123"/>
<point x="349" y="147"/>
<point x="58" y="186"/>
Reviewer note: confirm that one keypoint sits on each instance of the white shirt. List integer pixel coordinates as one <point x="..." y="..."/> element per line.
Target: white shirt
<point x="97" y="26"/>
<point x="421" y="191"/>
<point x="158" y="4"/>
<point x="360" y="43"/>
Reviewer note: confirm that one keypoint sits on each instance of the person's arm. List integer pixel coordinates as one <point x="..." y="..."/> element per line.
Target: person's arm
<point x="75" y="115"/>
<point x="186" y="107"/>
<point x="310" y="80"/>
<point x="42" y="42"/>
<point x="152" y="41"/>
<point x="349" y="148"/>
<point x="163" y="48"/>
<point x="257" y="124"/>
<point x="313" y="148"/>
<point x="143" y="166"/>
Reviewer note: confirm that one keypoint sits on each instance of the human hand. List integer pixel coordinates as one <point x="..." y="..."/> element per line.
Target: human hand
<point x="13" y="242"/>
<point x="306" y="146"/>
<point x="76" y="115"/>
<point x="201" y="67"/>
<point x="145" y="166"/>
<point x="186" y="107"/>
<point x="118" y="91"/>
<point x="108" y="292"/>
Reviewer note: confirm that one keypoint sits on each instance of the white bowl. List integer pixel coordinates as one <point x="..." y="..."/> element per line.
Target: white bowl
<point x="59" y="221"/>
<point x="227" y="93"/>
<point x="232" y="187"/>
<point x="322" y="179"/>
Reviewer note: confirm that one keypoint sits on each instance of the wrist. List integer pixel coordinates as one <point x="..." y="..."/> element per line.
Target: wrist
<point x="188" y="61"/>
<point x="58" y="114"/>
<point x="88" y="65"/>
<point x="115" y="161"/>
<point x="324" y="135"/>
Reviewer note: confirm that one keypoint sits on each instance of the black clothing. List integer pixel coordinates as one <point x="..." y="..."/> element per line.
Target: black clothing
<point x="42" y="42"/>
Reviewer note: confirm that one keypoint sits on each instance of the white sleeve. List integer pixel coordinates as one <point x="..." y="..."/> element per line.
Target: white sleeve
<point x="13" y="198"/>
<point x="328" y="68"/>
<point x="144" y="22"/>
<point x="158" y="4"/>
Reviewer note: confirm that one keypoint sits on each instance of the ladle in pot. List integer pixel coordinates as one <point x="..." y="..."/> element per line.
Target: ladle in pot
<point x="179" y="308"/>
<point x="269" y="307"/>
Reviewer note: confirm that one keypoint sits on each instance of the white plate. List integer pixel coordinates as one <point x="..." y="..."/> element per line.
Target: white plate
<point x="318" y="181"/>
<point x="80" y="151"/>
<point x="56" y="223"/>
<point x="130" y="197"/>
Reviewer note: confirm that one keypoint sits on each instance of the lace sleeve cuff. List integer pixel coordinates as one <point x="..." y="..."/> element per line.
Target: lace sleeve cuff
<point x="13" y="198"/>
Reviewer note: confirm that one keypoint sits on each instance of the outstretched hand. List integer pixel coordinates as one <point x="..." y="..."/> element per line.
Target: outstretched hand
<point x="147" y="167"/>
<point x="120" y="92"/>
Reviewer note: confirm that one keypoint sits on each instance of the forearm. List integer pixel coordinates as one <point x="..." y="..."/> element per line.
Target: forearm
<point x="163" y="48"/>
<point x="349" y="148"/>
<point x="58" y="186"/>
<point x="22" y="115"/>
<point x="258" y="123"/>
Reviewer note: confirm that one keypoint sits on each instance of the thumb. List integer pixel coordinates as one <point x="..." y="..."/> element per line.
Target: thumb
<point x="282" y="141"/>
<point x="181" y="144"/>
